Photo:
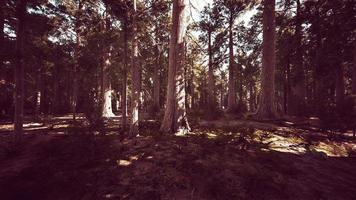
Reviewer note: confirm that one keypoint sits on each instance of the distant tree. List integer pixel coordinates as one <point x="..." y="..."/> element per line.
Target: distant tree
<point x="232" y="9"/>
<point x="211" y="21"/>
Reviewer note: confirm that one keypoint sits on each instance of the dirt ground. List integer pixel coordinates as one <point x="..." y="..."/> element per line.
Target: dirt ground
<point x="59" y="161"/>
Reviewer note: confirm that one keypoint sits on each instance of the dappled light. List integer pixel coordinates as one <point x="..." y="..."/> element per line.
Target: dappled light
<point x="177" y="100"/>
<point x="205" y="163"/>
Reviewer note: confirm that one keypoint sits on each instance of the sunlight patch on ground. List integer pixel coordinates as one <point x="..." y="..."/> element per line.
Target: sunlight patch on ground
<point x="123" y="162"/>
<point x="61" y="126"/>
<point x="334" y="149"/>
<point x="32" y="125"/>
<point x="211" y="135"/>
<point x="285" y="144"/>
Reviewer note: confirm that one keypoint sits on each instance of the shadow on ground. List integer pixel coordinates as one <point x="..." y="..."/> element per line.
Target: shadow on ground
<point x="207" y="164"/>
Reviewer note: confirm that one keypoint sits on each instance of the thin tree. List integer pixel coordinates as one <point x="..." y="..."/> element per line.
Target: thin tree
<point x="2" y="38"/>
<point x="156" y="77"/>
<point x="76" y="58"/>
<point x="175" y="118"/>
<point x="298" y="88"/>
<point x="354" y="69"/>
<point x="135" y="76"/>
<point x="124" y="73"/>
<point x="19" y="69"/>
<point x="266" y="107"/>
<point x="105" y="78"/>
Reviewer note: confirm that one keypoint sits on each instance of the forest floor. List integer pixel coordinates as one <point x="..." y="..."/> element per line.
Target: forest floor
<point x="253" y="160"/>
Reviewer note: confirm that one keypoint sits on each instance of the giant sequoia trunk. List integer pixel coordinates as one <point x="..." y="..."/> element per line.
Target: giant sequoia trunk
<point x="105" y="81"/>
<point x="267" y="108"/>
<point x="19" y="69"/>
<point x="231" y="83"/>
<point x="136" y="79"/>
<point x="175" y="118"/>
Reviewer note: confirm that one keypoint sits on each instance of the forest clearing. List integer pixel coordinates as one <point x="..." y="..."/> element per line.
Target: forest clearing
<point x="177" y="99"/>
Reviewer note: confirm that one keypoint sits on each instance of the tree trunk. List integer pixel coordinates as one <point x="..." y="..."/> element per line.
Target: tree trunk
<point x="38" y="92"/>
<point x="298" y="88"/>
<point x="175" y="118"/>
<point x="231" y="83"/>
<point x="286" y="88"/>
<point x="124" y="75"/>
<point x="76" y="62"/>
<point x="354" y="70"/>
<point x="211" y="81"/>
<point x="105" y="81"/>
<point x="192" y="88"/>
<point x="339" y="86"/>
<point x="251" y="101"/>
<point x="156" y="79"/>
<point x="55" y="90"/>
<point x="136" y="93"/>
<point x="267" y="108"/>
<point x="19" y="69"/>
<point x="2" y="41"/>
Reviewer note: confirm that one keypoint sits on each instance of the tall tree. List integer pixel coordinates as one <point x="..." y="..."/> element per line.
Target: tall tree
<point x="124" y="74"/>
<point x="2" y="37"/>
<point x="105" y="77"/>
<point x="232" y="84"/>
<point x="21" y="7"/>
<point x="156" y="77"/>
<point x="298" y="88"/>
<point x="175" y="118"/>
<point x="78" y="31"/>
<point x="354" y="68"/>
<point x="136" y="79"/>
<point x="266" y="107"/>
<point x="210" y="23"/>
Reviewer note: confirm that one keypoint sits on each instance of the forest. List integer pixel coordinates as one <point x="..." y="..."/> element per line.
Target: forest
<point x="177" y="99"/>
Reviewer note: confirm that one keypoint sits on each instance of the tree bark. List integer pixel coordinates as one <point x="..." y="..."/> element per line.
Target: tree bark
<point x="354" y="69"/>
<point x="136" y="93"/>
<point x="19" y="70"/>
<point x="175" y="118"/>
<point x="267" y="108"/>
<point x="231" y="83"/>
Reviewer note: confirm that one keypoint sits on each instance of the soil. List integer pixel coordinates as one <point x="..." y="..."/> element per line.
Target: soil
<point x="59" y="161"/>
